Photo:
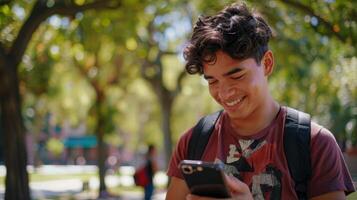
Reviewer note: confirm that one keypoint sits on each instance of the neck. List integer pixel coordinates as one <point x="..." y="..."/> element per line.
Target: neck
<point x="260" y="118"/>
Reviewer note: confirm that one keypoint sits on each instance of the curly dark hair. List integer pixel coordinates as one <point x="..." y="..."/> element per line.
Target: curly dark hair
<point x="234" y="30"/>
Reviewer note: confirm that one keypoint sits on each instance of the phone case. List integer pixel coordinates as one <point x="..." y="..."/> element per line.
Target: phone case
<point x="204" y="178"/>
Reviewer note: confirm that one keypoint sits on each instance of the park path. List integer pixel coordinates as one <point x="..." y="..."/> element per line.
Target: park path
<point x="73" y="187"/>
<point x="70" y="188"/>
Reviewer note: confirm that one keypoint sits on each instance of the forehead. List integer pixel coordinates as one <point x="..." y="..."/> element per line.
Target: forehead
<point x="225" y="63"/>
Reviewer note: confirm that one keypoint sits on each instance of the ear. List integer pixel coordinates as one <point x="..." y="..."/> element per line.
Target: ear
<point x="268" y="63"/>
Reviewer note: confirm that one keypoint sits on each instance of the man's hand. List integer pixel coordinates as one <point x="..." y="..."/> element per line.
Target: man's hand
<point x="239" y="190"/>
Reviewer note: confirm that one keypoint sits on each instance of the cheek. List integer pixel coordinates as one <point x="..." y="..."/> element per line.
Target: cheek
<point x="258" y="86"/>
<point x="214" y="93"/>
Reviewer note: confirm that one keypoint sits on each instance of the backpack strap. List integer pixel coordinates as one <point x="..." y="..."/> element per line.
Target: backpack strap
<point x="297" y="149"/>
<point x="200" y="135"/>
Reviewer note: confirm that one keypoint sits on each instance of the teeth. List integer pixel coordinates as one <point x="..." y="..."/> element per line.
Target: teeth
<point x="232" y="103"/>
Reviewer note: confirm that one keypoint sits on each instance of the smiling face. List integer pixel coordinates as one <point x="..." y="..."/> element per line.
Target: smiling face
<point x="239" y="86"/>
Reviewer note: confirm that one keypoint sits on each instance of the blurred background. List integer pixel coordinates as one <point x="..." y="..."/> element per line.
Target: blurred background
<point x="85" y="85"/>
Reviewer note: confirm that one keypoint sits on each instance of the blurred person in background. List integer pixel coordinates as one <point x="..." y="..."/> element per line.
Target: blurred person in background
<point x="152" y="168"/>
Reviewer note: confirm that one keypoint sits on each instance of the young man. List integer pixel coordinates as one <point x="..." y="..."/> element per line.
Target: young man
<point x="231" y="50"/>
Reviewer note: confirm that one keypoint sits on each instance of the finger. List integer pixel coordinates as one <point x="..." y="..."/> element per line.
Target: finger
<point x="235" y="185"/>
<point x="194" y="197"/>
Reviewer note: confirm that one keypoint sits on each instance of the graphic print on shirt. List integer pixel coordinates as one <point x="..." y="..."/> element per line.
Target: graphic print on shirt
<point x="265" y="184"/>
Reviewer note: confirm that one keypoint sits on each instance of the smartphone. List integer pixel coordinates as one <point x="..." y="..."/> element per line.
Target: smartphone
<point x="204" y="178"/>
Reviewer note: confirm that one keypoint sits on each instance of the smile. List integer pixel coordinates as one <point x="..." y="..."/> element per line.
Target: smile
<point x="233" y="103"/>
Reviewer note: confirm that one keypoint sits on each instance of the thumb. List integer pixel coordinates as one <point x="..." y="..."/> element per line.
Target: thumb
<point x="236" y="186"/>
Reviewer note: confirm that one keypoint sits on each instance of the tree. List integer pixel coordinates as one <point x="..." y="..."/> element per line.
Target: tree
<point x="100" y="108"/>
<point x="159" y="46"/>
<point x="328" y="19"/>
<point x="10" y="103"/>
<point x="102" y="66"/>
<point x="34" y="81"/>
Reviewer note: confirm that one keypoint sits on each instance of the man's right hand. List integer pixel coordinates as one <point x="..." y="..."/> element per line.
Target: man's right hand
<point x="177" y="190"/>
<point x="238" y="189"/>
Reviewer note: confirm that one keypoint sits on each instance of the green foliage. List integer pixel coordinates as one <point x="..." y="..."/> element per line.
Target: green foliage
<point x="55" y="146"/>
<point x="191" y="105"/>
<point x="314" y="69"/>
<point x="211" y="7"/>
<point x="11" y="18"/>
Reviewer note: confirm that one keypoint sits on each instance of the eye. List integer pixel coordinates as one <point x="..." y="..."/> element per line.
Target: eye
<point x="212" y="81"/>
<point x="238" y="77"/>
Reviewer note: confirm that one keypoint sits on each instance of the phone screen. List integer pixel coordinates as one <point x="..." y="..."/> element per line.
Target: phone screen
<point x="204" y="178"/>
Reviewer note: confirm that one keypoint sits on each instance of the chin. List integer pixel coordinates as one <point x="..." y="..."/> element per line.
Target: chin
<point x="236" y="114"/>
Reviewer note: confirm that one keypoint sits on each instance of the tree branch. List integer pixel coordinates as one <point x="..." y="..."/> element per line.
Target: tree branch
<point x="82" y="71"/>
<point x="4" y="2"/>
<point x="2" y="66"/>
<point x="65" y="9"/>
<point x="311" y="12"/>
<point x="169" y="52"/>
<point x="2" y="51"/>
<point x="41" y="12"/>
<point x="150" y="43"/>
<point x="180" y="78"/>
<point x="157" y="81"/>
<point x="118" y="63"/>
<point x="145" y="65"/>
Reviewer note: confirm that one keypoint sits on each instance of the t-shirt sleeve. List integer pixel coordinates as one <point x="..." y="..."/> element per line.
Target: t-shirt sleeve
<point x="179" y="154"/>
<point x="329" y="170"/>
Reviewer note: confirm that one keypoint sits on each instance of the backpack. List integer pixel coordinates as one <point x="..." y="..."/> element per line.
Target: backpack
<point x="141" y="177"/>
<point x="296" y="145"/>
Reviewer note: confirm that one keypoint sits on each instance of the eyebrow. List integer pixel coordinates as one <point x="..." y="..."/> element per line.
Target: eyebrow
<point x="232" y="71"/>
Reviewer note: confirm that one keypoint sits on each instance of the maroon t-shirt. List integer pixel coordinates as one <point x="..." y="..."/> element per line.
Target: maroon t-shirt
<point x="259" y="160"/>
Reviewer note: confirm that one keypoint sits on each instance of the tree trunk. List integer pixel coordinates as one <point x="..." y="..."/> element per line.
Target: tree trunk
<point x="1" y="142"/>
<point x="10" y="105"/>
<point x="101" y="150"/>
<point x="14" y="137"/>
<point x="166" y="98"/>
<point x="166" y="107"/>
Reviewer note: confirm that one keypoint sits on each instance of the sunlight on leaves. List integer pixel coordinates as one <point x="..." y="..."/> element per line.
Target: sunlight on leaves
<point x="131" y="44"/>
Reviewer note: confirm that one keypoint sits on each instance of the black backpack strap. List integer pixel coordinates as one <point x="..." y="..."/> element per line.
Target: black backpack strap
<point x="200" y="136"/>
<point x="297" y="138"/>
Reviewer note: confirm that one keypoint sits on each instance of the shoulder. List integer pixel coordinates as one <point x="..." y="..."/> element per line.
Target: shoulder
<point x="323" y="142"/>
<point x="185" y="139"/>
<point x="329" y="170"/>
<point x="179" y="154"/>
<point x="321" y="135"/>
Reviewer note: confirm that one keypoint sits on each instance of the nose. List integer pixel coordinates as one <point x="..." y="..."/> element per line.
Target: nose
<point x="226" y="91"/>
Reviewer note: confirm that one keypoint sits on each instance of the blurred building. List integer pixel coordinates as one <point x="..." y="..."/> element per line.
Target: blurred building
<point x="80" y="149"/>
